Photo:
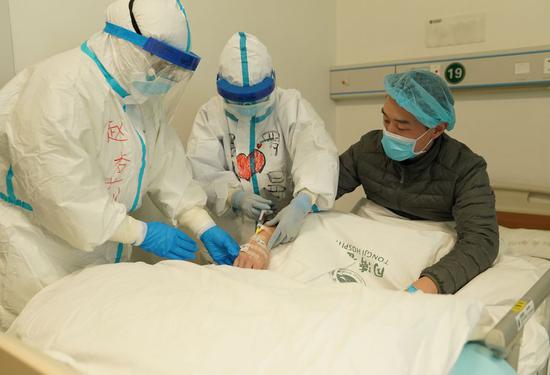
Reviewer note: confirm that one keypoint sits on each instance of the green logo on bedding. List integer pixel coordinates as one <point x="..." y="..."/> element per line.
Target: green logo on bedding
<point x="371" y="267"/>
<point x="369" y="261"/>
<point x="343" y="275"/>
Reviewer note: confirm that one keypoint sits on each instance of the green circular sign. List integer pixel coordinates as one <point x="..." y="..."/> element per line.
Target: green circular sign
<point x="455" y="73"/>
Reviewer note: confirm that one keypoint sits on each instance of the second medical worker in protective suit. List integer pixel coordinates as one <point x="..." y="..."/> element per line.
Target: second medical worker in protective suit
<point x="257" y="147"/>
<point x="83" y="137"/>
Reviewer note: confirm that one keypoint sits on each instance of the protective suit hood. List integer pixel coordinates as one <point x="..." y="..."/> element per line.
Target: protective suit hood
<point x="246" y="70"/>
<point x="164" y="20"/>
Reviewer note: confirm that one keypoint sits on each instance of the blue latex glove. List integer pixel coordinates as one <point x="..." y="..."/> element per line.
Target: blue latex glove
<point x="250" y="204"/>
<point x="169" y="242"/>
<point x="220" y="245"/>
<point x="290" y="220"/>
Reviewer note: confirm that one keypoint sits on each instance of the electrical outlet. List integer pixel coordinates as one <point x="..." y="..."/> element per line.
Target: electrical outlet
<point x="436" y="69"/>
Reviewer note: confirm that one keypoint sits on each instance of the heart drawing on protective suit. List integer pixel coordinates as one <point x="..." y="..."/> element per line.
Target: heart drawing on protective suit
<point x="243" y="164"/>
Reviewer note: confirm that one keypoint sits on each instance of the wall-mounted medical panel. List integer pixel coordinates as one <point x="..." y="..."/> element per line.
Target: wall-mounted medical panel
<point x="512" y="68"/>
<point x="365" y="80"/>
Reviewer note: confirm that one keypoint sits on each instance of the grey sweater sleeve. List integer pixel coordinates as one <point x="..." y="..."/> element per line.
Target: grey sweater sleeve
<point x="477" y="232"/>
<point x="348" y="179"/>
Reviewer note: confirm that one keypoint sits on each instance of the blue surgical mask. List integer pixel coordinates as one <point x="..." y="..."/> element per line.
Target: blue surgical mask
<point x="158" y="86"/>
<point x="400" y="148"/>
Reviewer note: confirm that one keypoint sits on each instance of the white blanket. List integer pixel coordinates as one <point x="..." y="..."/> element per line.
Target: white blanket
<point x="179" y="318"/>
<point x="333" y="317"/>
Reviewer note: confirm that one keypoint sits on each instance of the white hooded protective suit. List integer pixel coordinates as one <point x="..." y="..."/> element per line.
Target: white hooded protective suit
<point x="77" y="155"/>
<point x="287" y="140"/>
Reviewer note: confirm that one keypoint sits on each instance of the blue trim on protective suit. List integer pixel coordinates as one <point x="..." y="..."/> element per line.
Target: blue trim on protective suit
<point x="253" y="122"/>
<point x="258" y="119"/>
<point x="244" y="60"/>
<point x="9" y="183"/>
<point x="252" y="148"/>
<point x="119" y="250"/>
<point x="265" y="115"/>
<point x="141" y="172"/>
<point x="188" y="48"/>
<point x="110" y="79"/>
<point x="183" y="59"/>
<point x="231" y="116"/>
<point x="11" y="198"/>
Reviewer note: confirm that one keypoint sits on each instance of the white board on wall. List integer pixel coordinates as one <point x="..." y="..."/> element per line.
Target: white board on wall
<point x="7" y="69"/>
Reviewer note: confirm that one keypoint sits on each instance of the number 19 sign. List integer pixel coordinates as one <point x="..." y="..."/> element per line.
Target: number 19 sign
<point x="455" y="73"/>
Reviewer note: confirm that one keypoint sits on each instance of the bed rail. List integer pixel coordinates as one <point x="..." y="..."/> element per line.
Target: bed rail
<point x="505" y="338"/>
<point x="19" y="358"/>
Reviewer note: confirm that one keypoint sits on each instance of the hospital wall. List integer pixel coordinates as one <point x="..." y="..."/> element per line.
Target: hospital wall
<point x="7" y="67"/>
<point x="510" y="128"/>
<point x="300" y="36"/>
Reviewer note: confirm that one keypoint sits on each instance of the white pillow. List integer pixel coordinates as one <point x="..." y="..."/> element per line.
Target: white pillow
<point x="370" y="210"/>
<point x="348" y="248"/>
<point x="517" y="242"/>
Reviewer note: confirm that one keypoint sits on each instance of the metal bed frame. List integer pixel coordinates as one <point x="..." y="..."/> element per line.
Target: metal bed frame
<point x="504" y="339"/>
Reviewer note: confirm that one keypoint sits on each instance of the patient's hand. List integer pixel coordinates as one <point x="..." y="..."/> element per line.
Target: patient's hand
<point x="426" y="285"/>
<point x="254" y="254"/>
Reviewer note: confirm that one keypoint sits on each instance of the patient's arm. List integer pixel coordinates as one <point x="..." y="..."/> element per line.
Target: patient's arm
<point x="254" y="254"/>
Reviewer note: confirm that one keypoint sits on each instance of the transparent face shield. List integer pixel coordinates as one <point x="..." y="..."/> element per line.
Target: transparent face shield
<point x="170" y="83"/>
<point x="159" y="79"/>
<point x="247" y="101"/>
<point x="166" y="72"/>
<point x="170" y="72"/>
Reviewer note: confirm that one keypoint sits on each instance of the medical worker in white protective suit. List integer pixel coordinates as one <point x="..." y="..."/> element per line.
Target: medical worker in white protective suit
<point x="83" y="137"/>
<point x="258" y="147"/>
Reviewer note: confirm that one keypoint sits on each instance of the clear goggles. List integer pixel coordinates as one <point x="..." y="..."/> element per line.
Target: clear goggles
<point x="171" y="72"/>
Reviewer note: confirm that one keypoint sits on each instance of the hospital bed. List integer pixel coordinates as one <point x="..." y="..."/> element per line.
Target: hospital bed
<point x="504" y="339"/>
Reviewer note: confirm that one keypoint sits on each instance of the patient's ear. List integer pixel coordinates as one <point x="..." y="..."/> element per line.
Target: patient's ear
<point x="439" y="129"/>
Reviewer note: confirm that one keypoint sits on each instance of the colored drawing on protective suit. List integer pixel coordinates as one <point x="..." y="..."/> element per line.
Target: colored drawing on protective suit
<point x="243" y="164"/>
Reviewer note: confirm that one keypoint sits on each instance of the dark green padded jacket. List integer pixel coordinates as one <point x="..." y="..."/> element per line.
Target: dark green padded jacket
<point x="449" y="182"/>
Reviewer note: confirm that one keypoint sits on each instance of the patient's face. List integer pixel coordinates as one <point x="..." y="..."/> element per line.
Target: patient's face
<point x="398" y="121"/>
